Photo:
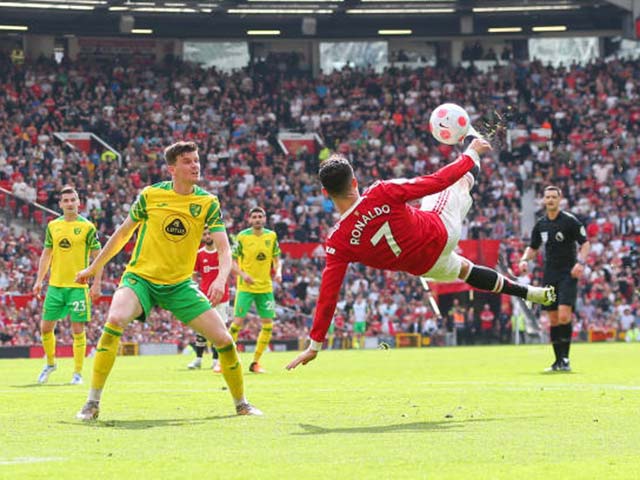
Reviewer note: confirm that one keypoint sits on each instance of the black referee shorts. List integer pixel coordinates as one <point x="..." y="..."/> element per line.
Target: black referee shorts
<point x="566" y="290"/>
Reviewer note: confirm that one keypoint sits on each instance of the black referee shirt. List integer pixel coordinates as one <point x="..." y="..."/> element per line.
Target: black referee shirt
<point x="559" y="237"/>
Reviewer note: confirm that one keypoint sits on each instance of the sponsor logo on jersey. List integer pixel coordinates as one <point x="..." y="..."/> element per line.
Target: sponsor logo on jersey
<point x="195" y="209"/>
<point x="364" y="219"/>
<point x="163" y="204"/>
<point x="176" y="228"/>
<point x="559" y="237"/>
<point x="261" y="257"/>
<point x="65" y="244"/>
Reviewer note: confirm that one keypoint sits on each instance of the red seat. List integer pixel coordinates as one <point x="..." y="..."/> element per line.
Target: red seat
<point x="38" y="217"/>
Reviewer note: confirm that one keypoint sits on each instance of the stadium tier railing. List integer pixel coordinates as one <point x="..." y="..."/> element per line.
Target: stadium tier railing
<point x="15" y="207"/>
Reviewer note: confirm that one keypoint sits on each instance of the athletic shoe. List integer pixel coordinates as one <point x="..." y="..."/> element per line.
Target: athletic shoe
<point x="76" y="379"/>
<point x="543" y="295"/>
<point x="89" y="412"/>
<point x="553" y="368"/>
<point x="256" y="368"/>
<point x="245" y="408"/>
<point x="195" y="364"/>
<point x="217" y="368"/>
<point x="46" y="371"/>
<point x="565" y="366"/>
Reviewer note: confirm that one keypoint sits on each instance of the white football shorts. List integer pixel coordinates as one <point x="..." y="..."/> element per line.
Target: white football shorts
<point x="452" y="205"/>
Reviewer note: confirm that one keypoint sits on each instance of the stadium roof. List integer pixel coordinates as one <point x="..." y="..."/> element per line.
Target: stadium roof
<point x="327" y="18"/>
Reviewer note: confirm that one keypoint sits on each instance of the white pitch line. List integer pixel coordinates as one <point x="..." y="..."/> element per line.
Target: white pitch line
<point x="19" y="460"/>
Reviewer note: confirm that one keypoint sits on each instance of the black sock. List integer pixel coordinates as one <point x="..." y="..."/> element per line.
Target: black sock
<point x="201" y="344"/>
<point x="566" y="331"/>
<point x="485" y="278"/>
<point x="214" y="352"/>
<point x="554" y="334"/>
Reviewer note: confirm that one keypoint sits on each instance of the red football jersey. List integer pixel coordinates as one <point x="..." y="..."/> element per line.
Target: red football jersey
<point x="381" y="231"/>
<point x="207" y="265"/>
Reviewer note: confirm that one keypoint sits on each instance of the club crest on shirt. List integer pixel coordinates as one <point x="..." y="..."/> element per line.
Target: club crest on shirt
<point x="195" y="209"/>
<point x="545" y="236"/>
<point x="267" y="243"/>
<point x="77" y="230"/>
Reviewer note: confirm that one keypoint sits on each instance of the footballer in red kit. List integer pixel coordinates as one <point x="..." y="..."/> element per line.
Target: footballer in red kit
<point x="207" y="267"/>
<point x="380" y="230"/>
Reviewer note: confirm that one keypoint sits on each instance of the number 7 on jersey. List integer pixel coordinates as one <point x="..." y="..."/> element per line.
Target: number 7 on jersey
<point x="385" y="231"/>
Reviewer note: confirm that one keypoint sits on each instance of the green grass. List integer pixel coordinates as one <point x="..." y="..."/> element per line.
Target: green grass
<point x="480" y="412"/>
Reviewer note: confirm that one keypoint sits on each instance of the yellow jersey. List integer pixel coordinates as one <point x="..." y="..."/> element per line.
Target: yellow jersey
<point x="70" y="242"/>
<point x="170" y="231"/>
<point x="255" y="254"/>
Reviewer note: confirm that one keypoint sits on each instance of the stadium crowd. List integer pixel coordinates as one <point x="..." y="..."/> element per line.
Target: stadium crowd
<point x="379" y="120"/>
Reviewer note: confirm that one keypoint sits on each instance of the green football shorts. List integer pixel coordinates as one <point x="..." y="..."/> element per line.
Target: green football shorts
<point x="265" y="304"/>
<point x="184" y="299"/>
<point x="359" y="327"/>
<point x="62" y="301"/>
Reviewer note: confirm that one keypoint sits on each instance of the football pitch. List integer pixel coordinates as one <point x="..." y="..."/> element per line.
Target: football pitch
<point x="467" y="412"/>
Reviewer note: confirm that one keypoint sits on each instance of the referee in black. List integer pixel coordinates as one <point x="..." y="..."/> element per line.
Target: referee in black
<point x="563" y="266"/>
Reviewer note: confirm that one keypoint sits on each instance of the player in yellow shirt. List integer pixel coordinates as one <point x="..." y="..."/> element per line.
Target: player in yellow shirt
<point x="69" y="241"/>
<point x="255" y="251"/>
<point x="170" y="218"/>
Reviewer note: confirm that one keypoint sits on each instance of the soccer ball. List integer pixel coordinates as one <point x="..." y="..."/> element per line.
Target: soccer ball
<point x="449" y="123"/>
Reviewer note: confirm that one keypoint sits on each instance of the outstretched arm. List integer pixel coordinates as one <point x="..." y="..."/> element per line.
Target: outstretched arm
<point x="332" y="278"/>
<point x="117" y="241"/>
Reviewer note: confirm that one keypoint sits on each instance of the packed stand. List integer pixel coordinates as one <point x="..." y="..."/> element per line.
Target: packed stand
<point x="379" y="121"/>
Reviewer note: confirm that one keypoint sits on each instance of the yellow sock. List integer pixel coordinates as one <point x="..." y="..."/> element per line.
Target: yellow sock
<point x="79" y="351"/>
<point x="106" y="352"/>
<point x="234" y="330"/>
<point x="49" y="345"/>
<point x="232" y="370"/>
<point x="263" y="340"/>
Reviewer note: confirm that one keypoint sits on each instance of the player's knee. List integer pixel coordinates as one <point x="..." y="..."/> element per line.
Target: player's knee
<point x="118" y="319"/>
<point x="465" y="269"/>
<point x="564" y="318"/>
<point x="221" y="338"/>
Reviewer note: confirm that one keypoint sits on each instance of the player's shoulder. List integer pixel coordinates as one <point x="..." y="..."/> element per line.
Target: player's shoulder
<point x="570" y="216"/>
<point x="244" y="233"/>
<point x="85" y="221"/>
<point x="166" y="185"/>
<point x="55" y="221"/>
<point x="269" y="232"/>
<point x="375" y="187"/>
<point x="201" y="192"/>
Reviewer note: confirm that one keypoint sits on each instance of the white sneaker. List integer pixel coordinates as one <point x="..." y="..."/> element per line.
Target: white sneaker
<point x="46" y="371"/>
<point x="196" y="363"/>
<point x="89" y="412"/>
<point x="543" y="295"/>
<point x="76" y="379"/>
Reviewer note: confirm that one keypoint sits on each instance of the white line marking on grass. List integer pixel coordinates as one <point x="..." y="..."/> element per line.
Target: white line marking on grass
<point x="19" y="460"/>
<point x="529" y="386"/>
